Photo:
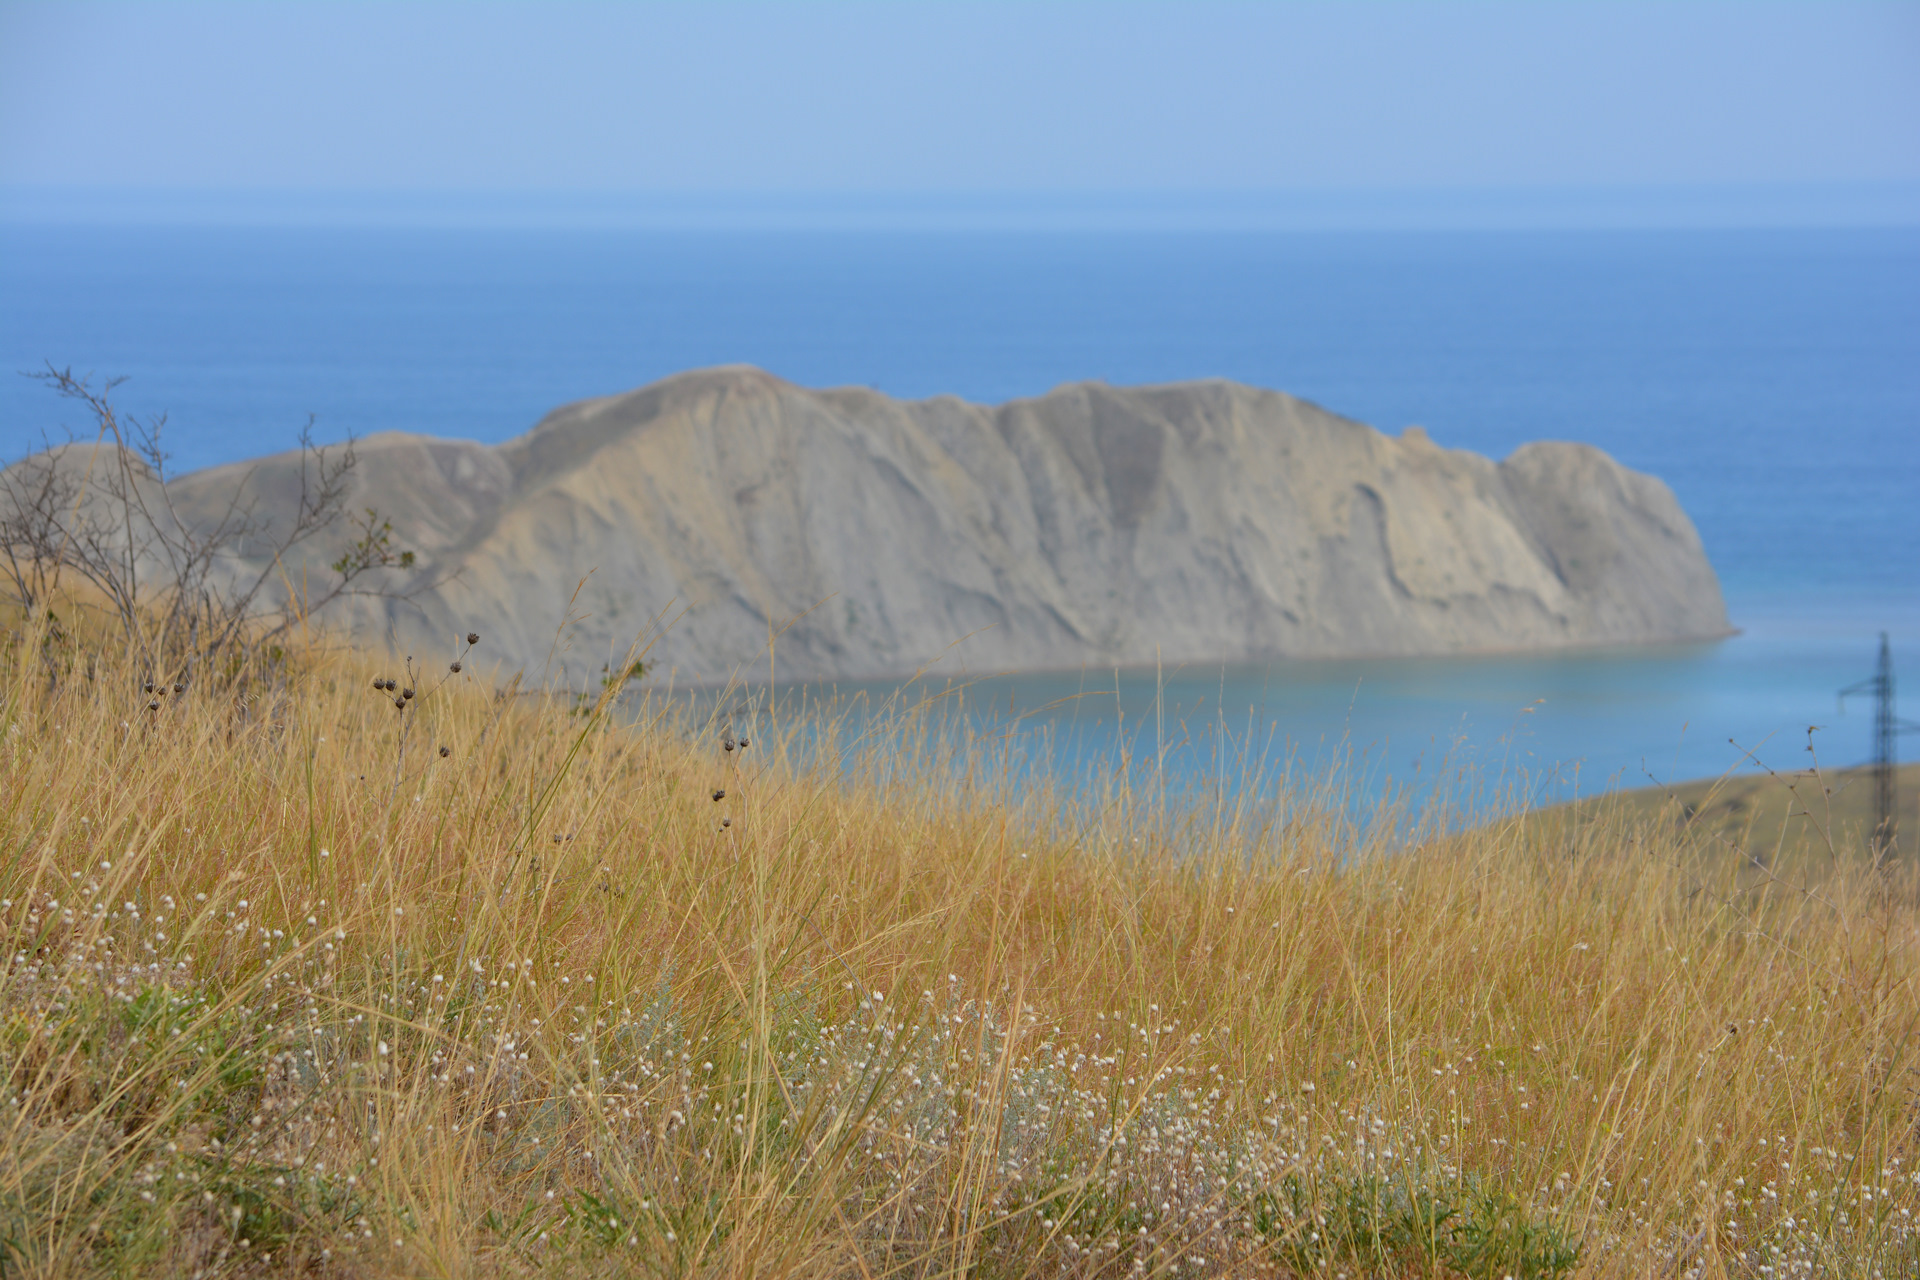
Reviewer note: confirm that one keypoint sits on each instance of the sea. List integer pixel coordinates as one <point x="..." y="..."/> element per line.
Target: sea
<point x="1771" y="377"/>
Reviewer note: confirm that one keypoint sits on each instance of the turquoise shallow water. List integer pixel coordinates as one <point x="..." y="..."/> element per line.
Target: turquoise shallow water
<point x="1491" y="730"/>
<point x="1772" y="378"/>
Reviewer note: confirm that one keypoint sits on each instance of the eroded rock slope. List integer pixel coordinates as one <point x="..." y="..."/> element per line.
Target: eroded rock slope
<point x="1093" y="526"/>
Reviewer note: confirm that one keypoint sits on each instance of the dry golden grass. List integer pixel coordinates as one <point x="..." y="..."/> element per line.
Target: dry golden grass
<point x="1797" y="820"/>
<point x="289" y="990"/>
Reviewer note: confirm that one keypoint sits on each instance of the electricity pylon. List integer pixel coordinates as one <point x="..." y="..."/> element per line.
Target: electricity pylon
<point x="1886" y="726"/>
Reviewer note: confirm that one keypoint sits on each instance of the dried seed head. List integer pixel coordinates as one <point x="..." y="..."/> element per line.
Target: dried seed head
<point x="726" y="744"/>
<point x="473" y="637"/>
<point x="399" y="704"/>
<point x="743" y="744"/>
<point x="726" y="822"/>
<point x="407" y="693"/>
<point x="380" y="683"/>
<point x="392" y="685"/>
<point x="149" y="688"/>
<point x="719" y="794"/>
<point x="556" y="837"/>
<point x="180" y="687"/>
<point x="445" y="752"/>
<point x="455" y="668"/>
<point x="154" y="705"/>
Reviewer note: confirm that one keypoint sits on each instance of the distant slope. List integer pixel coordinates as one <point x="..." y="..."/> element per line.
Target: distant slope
<point x="1091" y="526"/>
<point x="1781" y="819"/>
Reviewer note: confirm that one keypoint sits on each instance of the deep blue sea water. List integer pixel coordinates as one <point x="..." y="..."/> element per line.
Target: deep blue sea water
<point x="1772" y="378"/>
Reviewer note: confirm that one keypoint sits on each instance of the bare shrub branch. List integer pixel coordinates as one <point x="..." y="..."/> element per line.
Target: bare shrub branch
<point x="181" y="590"/>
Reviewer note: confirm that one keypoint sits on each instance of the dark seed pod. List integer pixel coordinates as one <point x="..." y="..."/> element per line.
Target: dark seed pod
<point x="180" y="688"/>
<point x="380" y="683"/>
<point x="726" y="822"/>
<point x="149" y="688"/>
<point x="445" y="752"/>
<point x="473" y="637"/>
<point x="408" y="693"/>
<point x="155" y="706"/>
<point x="399" y="704"/>
<point x="727" y="744"/>
<point x="743" y="744"/>
<point x="719" y="794"/>
<point x="556" y="837"/>
<point x="455" y="668"/>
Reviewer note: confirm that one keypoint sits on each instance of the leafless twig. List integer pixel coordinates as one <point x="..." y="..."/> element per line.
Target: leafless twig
<point x="183" y="590"/>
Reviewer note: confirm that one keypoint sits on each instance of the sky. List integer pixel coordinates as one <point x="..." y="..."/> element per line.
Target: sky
<point x="950" y="102"/>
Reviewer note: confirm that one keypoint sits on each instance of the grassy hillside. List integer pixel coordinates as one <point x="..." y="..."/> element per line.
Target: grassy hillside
<point x="303" y="983"/>
<point x="1797" y="819"/>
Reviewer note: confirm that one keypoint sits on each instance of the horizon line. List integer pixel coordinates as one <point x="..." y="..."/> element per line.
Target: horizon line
<point x="1703" y="206"/>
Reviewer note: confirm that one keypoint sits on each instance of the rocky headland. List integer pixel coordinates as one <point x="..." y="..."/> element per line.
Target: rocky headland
<point x="1093" y="526"/>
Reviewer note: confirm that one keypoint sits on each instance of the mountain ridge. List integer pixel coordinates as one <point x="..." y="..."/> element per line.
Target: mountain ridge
<point x="1092" y="526"/>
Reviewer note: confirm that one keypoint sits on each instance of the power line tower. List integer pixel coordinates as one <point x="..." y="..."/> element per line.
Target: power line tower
<point x="1886" y="726"/>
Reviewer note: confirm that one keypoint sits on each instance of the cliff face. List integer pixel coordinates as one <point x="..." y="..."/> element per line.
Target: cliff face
<point x="1093" y="526"/>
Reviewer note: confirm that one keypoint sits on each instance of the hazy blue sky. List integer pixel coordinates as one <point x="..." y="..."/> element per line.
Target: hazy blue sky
<point x="956" y="98"/>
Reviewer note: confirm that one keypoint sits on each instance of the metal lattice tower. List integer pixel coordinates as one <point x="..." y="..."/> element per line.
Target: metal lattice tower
<point x="1886" y="726"/>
